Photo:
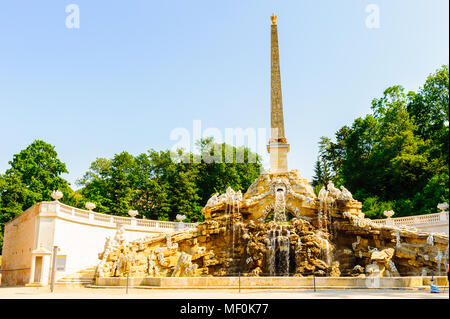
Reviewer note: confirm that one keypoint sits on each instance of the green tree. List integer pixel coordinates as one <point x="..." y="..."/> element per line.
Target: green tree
<point x="429" y="109"/>
<point x="399" y="164"/>
<point x="397" y="157"/>
<point x="374" y="208"/>
<point x="234" y="167"/>
<point x="162" y="184"/>
<point x="111" y="183"/>
<point x="33" y="175"/>
<point x="175" y="182"/>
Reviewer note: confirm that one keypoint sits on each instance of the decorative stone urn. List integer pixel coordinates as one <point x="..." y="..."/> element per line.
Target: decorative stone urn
<point x="90" y="206"/>
<point x="388" y="213"/>
<point x="57" y="195"/>
<point x="180" y="217"/>
<point x="442" y="207"/>
<point x="133" y="213"/>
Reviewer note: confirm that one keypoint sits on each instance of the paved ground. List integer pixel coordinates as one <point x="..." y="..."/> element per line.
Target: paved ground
<point x="82" y="293"/>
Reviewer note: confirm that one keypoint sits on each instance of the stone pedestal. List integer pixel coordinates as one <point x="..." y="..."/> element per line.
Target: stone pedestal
<point x="278" y="157"/>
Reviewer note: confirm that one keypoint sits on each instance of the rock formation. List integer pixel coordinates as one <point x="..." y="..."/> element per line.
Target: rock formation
<point x="325" y="235"/>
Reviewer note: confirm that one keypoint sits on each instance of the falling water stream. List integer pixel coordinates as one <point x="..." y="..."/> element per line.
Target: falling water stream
<point x="430" y="240"/>
<point x="280" y="207"/>
<point x="439" y="259"/>
<point x="325" y="225"/>
<point x="278" y="250"/>
<point x="398" y="243"/>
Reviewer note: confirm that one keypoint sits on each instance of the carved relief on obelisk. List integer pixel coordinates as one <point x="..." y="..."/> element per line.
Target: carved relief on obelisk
<point x="278" y="148"/>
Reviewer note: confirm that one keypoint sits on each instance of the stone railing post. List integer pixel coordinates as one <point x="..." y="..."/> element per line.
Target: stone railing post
<point x="91" y="216"/>
<point x="133" y="222"/>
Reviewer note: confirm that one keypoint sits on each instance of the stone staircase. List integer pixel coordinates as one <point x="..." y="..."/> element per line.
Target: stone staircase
<point x="82" y="278"/>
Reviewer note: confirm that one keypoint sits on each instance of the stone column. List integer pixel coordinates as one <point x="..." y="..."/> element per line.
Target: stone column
<point x="276" y="102"/>
<point x="278" y="147"/>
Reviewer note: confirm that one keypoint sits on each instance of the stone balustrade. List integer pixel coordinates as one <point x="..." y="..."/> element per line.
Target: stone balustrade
<point x="78" y="234"/>
<point x="94" y="218"/>
<point x="431" y="222"/>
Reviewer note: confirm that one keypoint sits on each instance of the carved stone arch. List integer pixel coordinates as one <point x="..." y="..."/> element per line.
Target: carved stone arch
<point x="294" y="211"/>
<point x="266" y="211"/>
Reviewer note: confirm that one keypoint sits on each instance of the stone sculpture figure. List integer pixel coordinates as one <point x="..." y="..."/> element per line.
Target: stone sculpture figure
<point x="169" y="242"/>
<point x="323" y="193"/>
<point x="345" y="194"/>
<point x="152" y="268"/>
<point x="213" y="200"/>
<point x="333" y="190"/>
<point x="382" y="263"/>
<point x="183" y="261"/>
<point x="191" y="269"/>
<point x="238" y="196"/>
<point x="119" y="237"/>
<point x="430" y="240"/>
<point x="118" y="265"/>
<point x="392" y="269"/>
<point x="231" y="195"/>
<point x="373" y="270"/>
<point x="102" y="256"/>
<point x="161" y="258"/>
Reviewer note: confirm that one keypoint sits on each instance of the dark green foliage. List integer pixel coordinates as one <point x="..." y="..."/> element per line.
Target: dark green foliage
<point x="397" y="157"/>
<point x="157" y="184"/>
<point x="322" y="169"/>
<point x="161" y="185"/>
<point x="234" y="167"/>
<point x="33" y="175"/>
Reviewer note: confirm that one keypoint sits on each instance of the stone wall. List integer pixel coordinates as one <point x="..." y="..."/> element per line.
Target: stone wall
<point x="18" y="243"/>
<point x="79" y="234"/>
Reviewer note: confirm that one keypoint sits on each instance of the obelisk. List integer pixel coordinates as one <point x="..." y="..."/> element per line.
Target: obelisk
<point x="278" y="147"/>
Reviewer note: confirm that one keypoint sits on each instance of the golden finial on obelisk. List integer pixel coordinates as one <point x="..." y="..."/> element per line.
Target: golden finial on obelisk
<point x="274" y="19"/>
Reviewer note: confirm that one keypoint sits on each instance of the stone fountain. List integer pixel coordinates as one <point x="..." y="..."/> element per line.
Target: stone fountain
<point x="279" y="227"/>
<point x="308" y="235"/>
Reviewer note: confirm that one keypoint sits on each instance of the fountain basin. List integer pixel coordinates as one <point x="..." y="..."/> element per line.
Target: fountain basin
<point x="274" y="282"/>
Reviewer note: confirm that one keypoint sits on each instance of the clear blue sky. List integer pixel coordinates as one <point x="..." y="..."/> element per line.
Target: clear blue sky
<point x="135" y="70"/>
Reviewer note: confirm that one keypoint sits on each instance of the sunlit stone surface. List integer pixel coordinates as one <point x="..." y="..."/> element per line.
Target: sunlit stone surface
<point x="326" y="236"/>
<point x="279" y="227"/>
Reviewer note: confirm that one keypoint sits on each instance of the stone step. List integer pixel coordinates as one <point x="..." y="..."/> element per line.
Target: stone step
<point x="79" y="279"/>
<point x="74" y="285"/>
<point x="87" y="270"/>
<point x="77" y="275"/>
<point x="71" y="282"/>
<point x="76" y="280"/>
